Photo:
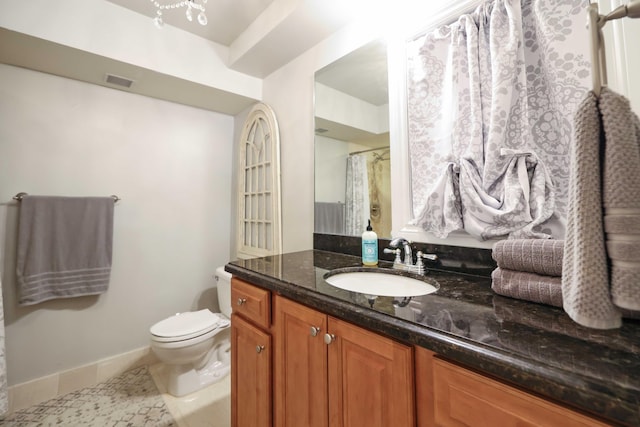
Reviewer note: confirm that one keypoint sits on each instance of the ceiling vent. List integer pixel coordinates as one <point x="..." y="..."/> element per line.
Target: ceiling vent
<point x="118" y="81"/>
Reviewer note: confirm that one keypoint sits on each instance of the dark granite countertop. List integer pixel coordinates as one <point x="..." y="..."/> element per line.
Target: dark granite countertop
<point x="534" y="346"/>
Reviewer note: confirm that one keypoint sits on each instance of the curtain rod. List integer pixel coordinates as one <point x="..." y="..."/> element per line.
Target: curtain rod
<point x="370" y="149"/>
<point x="20" y="195"/>
<point x="446" y="17"/>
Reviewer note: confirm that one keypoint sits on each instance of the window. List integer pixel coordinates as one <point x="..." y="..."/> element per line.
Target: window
<point x="259" y="209"/>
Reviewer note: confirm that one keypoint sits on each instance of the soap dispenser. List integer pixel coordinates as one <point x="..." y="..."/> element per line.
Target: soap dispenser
<point x="369" y="246"/>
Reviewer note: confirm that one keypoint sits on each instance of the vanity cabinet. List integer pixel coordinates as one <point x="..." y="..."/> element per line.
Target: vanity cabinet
<point x="251" y="356"/>
<point x="450" y="395"/>
<point x="306" y="368"/>
<point x="329" y="372"/>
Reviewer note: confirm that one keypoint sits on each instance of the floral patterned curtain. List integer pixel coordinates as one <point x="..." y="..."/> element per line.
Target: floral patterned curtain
<point x="491" y="100"/>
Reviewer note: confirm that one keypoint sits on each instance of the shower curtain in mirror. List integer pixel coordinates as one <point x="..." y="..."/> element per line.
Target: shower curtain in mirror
<point x="357" y="195"/>
<point x="491" y="99"/>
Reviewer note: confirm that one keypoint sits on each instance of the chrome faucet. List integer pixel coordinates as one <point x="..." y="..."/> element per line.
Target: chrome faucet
<point x="407" y="264"/>
<point x="408" y="254"/>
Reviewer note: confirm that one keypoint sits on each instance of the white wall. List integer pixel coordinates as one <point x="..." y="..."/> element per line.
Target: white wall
<point x="170" y="164"/>
<point x="336" y="106"/>
<point x="289" y="91"/>
<point x="623" y="60"/>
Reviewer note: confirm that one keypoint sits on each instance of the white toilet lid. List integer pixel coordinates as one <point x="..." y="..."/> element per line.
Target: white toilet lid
<point x="189" y="323"/>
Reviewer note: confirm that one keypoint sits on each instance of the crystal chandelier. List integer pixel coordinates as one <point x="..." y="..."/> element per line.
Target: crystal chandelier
<point x="191" y="5"/>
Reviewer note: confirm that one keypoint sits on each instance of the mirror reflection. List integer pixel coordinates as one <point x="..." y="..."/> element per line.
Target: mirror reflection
<point x="352" y="158"/>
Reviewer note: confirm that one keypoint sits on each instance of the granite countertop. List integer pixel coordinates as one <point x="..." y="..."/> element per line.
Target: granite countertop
<point x="534" y="346"/>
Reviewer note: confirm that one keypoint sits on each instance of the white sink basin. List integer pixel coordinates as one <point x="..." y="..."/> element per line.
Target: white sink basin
<point x="381" y="283"/>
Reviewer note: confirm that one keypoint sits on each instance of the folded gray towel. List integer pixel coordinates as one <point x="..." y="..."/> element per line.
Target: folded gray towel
<point x="527" y="286"/>
<point x="621" y="195"/>
<point x="540" y="256"/>
<point x="64" y="247"/>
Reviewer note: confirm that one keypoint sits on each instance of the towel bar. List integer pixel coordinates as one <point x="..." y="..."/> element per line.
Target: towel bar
<point x="596" y="23"/>
<point x="20" y="195"/>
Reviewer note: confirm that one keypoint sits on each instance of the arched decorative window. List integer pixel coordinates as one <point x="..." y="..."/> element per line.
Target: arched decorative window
<point x="259" y="209"/>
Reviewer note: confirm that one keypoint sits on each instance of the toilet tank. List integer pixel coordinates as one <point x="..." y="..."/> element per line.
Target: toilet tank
<point x="224" y="291"/>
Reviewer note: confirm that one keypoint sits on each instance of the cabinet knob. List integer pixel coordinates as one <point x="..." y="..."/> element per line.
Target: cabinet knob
<point x="329" y="338"/>
<point x="259" y="349"/>
<point x="241" y="301"/>
<point x="315" y="331"/>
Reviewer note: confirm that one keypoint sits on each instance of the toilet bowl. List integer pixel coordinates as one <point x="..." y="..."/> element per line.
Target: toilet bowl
<point x="196" y="345"/>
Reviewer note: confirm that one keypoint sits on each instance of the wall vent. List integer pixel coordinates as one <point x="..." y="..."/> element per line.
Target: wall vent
<point x="118" y="81"/>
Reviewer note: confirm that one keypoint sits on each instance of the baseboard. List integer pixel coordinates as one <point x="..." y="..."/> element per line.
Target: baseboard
<point x="41" y="389"/>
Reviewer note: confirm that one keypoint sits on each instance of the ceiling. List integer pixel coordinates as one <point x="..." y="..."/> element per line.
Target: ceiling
<point x="259" y="37"/>
<point x="227" y="19"/>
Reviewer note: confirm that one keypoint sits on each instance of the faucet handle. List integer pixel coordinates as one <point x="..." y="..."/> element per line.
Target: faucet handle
<point x="420" y="265"/>
<point x="430" y="257"/>
<point x="396" y="251"/>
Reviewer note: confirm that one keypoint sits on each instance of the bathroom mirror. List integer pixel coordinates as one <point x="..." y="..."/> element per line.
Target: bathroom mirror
<point x="352" y="156"/>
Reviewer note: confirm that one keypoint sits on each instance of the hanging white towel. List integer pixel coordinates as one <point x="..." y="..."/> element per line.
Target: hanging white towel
<point x="64" y="247"/>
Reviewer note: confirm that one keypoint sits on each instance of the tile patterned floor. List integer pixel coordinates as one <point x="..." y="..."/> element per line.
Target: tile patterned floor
<point x="129" y="400"/>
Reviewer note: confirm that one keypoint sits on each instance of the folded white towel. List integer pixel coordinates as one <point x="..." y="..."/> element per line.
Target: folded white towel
<point x="64" y="247"/>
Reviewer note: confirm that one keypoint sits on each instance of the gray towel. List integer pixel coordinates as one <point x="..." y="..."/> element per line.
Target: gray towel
<point x="329" y="217"/>
<point x="64" y="247"/>
<point x="621" y="197"/>
<point x="540" y="256"/>
<point x="585" y="275"/>
<point x="527" y="286"/>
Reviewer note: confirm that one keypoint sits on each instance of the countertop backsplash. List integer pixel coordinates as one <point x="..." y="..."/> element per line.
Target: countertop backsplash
<point x="476" y="261"/>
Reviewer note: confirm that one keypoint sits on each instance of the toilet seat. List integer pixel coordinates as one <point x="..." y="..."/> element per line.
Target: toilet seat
<point x="188" y="325"/>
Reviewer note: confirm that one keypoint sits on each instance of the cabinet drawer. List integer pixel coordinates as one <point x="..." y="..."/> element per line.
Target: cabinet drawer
<point x="466" y="398"/>
<point x="251" y="302"/>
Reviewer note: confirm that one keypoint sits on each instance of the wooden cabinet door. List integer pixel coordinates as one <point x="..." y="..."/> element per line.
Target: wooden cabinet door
<point x="300" y="366"/>
<point x="424" y="387"/>
<point x="371" y="381"/>
<point x="467" y="399"/>
<point x="251" y="365"/>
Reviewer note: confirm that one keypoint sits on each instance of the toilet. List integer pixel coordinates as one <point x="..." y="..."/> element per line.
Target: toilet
<point x="196" y="345"/>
